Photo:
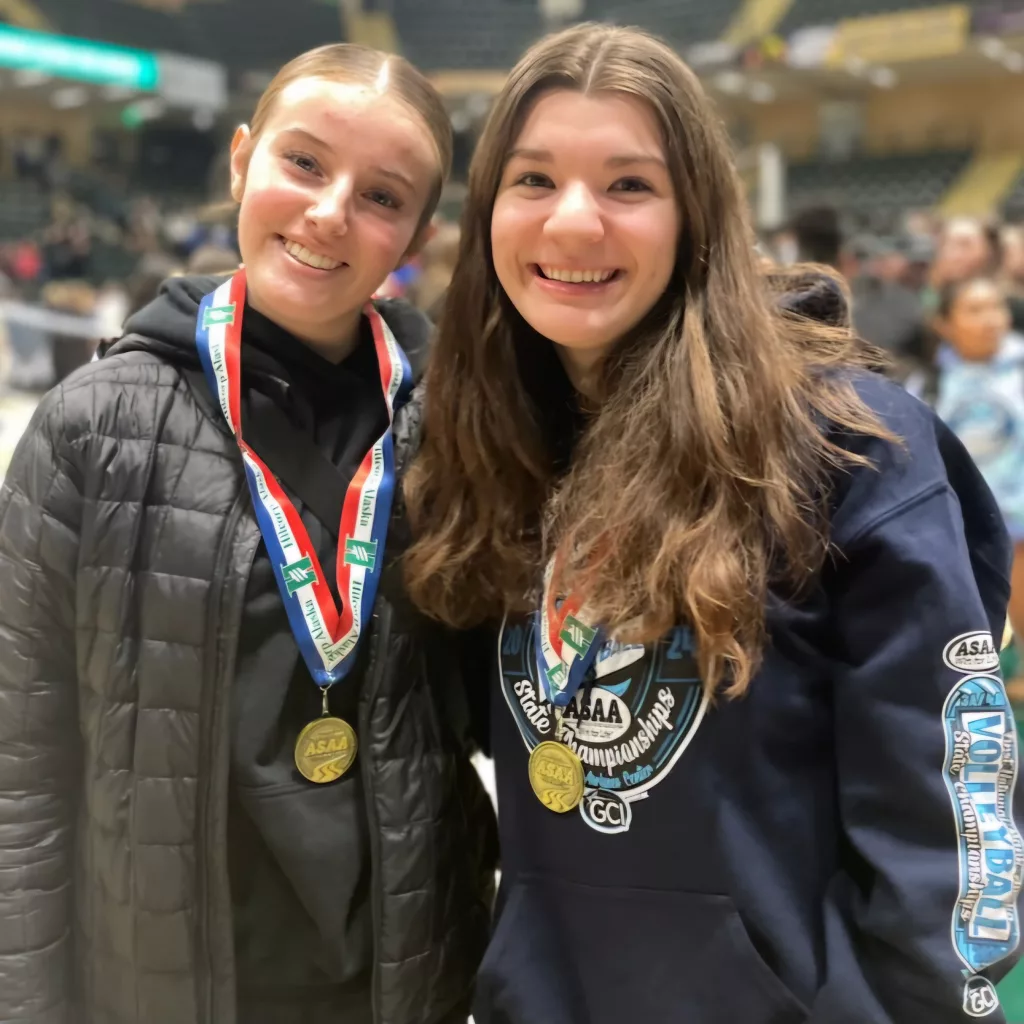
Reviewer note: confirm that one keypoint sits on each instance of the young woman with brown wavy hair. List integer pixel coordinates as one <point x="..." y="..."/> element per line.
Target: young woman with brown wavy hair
<point x="745" y="592"/>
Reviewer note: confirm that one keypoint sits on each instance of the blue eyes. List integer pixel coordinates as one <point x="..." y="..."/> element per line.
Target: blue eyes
<point x="379" y="197"/>
<point x="304" y="163"/>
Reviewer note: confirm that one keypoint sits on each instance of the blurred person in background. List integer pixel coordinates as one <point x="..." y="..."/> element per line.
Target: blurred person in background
<point x="193" y="650"/>
<point x="437" y="263"/>
<point x="213" y="259"/>
<point x="970" y="247"/>
<point x="724" y="579"/>
<point x="977" y="388"/>
<point x="818" y="235"/>
<point x="967" y="247"/>
<point x="886" y="312"/>
<point x="919" y="254"/>
<point x="143" y="285"/>
<point x="1012" y="270"/>
<point x="76" y="299"/>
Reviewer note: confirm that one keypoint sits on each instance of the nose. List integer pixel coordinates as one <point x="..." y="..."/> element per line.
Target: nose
<point x="329" y="211"/>
<point x="576" y="216"/>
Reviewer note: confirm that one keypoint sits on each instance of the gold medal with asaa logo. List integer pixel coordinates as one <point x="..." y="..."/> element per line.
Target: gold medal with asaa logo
<point x="556" y="775"/>
<point x="326" y="749"/>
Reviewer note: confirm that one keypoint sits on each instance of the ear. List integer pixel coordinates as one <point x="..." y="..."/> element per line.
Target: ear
<point x="241" y="154"/>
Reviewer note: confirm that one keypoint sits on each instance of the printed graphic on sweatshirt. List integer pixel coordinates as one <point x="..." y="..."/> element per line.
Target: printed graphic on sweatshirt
<point x="972" y="652"/>
<point x="980" y="997"/>
<point x="981" y="772"/>
<point x="629" y="723"/>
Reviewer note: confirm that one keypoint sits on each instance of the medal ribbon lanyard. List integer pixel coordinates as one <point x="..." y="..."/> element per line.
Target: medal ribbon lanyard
<point x="567" y="646"/>
<point x="327" y="636"/>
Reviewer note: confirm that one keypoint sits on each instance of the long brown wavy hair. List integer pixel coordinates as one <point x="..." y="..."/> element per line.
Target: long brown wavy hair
<point x="701" y="477"/>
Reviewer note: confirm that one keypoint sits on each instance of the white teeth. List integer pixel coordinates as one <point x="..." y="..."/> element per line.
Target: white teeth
<point x="577" y="276"/>
<point x="311" y="259"/>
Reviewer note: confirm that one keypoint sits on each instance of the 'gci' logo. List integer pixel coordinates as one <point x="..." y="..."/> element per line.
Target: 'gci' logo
<point x="606" y="811"/>
<point x="980" y="997"/>
<point x="628" y="724"/>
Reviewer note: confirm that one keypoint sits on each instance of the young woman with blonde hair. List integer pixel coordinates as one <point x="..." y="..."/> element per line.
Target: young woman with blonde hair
<point x="754" y="759"/>
<point x="234" y="782"/>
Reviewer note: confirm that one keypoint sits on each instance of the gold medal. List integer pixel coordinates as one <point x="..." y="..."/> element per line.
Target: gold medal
<point x="556" y="775"/>
<point x="326" y="749"/>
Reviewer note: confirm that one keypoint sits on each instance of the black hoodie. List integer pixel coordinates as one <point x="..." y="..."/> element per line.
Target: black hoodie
<point x="298" y="853"/>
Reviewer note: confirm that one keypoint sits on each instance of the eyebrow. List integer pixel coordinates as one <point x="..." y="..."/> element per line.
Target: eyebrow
<point x="388" y="172"/>
<point x="620" y="160"/>
<point x="384" y="172"/>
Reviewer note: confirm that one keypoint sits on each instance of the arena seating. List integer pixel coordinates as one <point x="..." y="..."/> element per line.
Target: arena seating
<point x="209" y="30"/>
<point x="681" y="22"/>
<point x="828" y="12"/>
<point x="1014" y="205"/>
<point x="24" y="209"/>
<point x="475" y="34"/>
<point x="466" y="34"/>
<point x="875" y="186"/>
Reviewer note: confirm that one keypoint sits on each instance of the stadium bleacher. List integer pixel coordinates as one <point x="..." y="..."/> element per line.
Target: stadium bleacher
<point x="875" y="186"/>
<point x="681" y="22"/>
<point x="24" y="209"/>
<point x="466" y="34"/>
<point x="208" y="30"/>
<point x="476" y="34"/>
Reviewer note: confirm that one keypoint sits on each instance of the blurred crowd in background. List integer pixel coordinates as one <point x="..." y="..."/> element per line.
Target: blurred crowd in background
<point x="903" y="282"/>
<point x="880" y="137"/>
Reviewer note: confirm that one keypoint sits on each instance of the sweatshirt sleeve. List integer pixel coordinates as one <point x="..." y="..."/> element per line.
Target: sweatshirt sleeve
<point x="40" y="510"/>
<point x="924" y="918"/>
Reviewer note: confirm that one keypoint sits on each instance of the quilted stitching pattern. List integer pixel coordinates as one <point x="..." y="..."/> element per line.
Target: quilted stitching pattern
<point x="117" y="496"/>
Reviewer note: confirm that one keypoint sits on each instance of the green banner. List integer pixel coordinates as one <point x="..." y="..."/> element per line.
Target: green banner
<point x="84" y="61"/>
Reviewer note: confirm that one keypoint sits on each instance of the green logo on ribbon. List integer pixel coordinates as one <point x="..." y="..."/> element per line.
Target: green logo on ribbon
<point x="361" y="552"/>
<point x="557" y="677"/>
<point x="215" y="316"/>
<point x="578" y="636"/>
<point x="298" y="574"/>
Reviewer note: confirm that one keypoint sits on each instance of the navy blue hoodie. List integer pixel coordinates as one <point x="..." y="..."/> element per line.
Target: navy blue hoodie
<point x="838" y="846"/>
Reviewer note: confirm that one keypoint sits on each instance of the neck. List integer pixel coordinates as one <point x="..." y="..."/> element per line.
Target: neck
<point x="334" y="341"/>
<point x="582" y="367"/>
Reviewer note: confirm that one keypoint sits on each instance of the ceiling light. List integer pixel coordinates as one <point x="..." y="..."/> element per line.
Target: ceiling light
<point x="882" y="78"/>
<point x="762" y="92"/>
<point x="28" y="78"/>
<point x="731" y="82"/>
<point x="69" y="97"/>
<point x="992" y="48"/>
<point x="1013" y="61"/>
<point x="117" y="93"/>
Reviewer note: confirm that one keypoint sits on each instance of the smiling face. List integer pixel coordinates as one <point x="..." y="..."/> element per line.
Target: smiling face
<point x="586" y="222"/>
<point x="331" y="194"/>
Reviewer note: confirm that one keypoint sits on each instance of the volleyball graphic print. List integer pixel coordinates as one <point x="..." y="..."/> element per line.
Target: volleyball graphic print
<point x="628" y="723"/>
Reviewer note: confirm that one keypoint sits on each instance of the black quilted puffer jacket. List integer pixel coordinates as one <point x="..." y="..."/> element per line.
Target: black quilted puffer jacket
<point x="126" y="540"/>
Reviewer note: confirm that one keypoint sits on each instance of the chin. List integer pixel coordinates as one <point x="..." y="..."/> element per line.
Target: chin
<point x="577" y="336"/>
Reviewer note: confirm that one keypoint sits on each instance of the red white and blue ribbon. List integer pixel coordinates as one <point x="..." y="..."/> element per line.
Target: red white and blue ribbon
<point x="327" y="636"/>
<point x="566" y="644"/>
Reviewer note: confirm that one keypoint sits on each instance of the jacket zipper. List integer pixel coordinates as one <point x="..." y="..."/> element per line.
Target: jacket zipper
<point x="382" y="626"/>
<point x="209" y="718"/>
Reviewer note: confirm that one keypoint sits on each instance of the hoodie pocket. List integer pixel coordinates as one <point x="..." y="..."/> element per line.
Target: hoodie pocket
<point x="573" y="954"/>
